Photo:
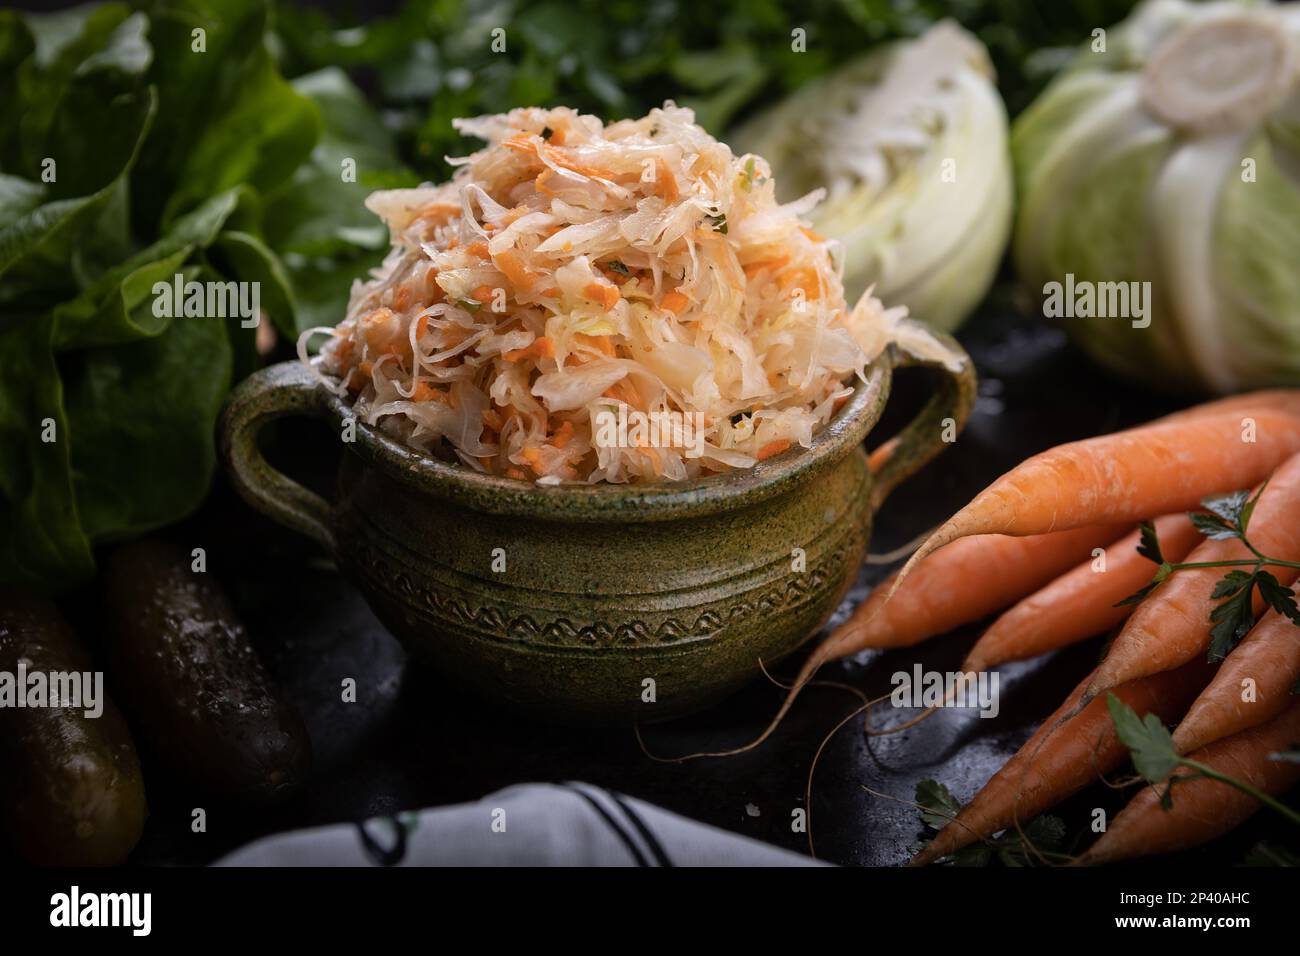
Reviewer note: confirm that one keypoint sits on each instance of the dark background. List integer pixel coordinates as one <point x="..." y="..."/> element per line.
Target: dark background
<point x="413" y="740"/>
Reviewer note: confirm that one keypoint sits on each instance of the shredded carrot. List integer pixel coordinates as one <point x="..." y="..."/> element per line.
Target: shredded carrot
<point x="802" y="278"/>
<point x="773" y="448"/>
<point x="483" y="293"/>
<point x="603" y="342"/>
<point x="665" y="182"/>
<point x="551" y="294"/>
<point x="513" y="472"/>
<point x="811" y="235"/>
<point x="563" y="435"/>
<point x="773" y="263"/>
<point x="424" y="392"/>
<point x="492" y="418"/>
<point x="514" y="269"/>
<point x="624" y="391"/>
<point x="479" y="249"/>
<point x="402" y="298"/>
<point x="542" y="347"/>
<point x="603" y="292"/>
<point x="675" y="302"/>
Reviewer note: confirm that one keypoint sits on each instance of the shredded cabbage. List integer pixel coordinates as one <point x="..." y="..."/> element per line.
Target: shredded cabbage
<point x="572" y="269"/>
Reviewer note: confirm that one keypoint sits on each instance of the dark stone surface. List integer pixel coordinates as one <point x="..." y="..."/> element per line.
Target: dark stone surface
<point x="414" y="741"/>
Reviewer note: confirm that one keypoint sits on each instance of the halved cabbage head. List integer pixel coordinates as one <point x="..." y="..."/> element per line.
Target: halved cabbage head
<point x="1172" y="157"/>
<point x="910" y="144"/>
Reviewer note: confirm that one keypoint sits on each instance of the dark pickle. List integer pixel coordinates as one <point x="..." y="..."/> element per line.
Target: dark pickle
<point x="71" y="793"/>
<point x="190" y="681"/>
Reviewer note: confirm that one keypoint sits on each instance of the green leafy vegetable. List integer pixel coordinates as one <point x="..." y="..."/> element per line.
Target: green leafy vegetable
<point x="886" y="137"/>
<point x="1141" y="124"/>
<point x="1041" y="837"/>
<point x="1227" y="517"/>
<point x="1149" y="741"/>
<point x="1154" y="757"/>
<point x="129" y="158"/>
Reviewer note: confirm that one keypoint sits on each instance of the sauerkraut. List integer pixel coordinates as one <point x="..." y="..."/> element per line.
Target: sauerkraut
<point x="573" y="273"/>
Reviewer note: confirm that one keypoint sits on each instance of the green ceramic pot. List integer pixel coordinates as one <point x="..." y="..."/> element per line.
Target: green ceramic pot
<point x="592" y="603"/>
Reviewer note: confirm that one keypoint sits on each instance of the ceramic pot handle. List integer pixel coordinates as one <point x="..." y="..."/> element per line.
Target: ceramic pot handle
<point x="288" y="388"/>
<point x="921" y="439"/>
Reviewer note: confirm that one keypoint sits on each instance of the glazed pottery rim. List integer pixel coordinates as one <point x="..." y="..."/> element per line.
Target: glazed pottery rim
<point x="606" y="501"/>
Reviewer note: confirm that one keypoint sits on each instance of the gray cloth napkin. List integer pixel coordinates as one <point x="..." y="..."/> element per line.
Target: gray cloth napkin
<point x="574" y="824"/>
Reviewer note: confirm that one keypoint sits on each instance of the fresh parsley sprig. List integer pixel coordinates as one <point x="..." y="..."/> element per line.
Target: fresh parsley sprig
<point x="1038" y="840"/>
<point x="1226" y="517"/>
<point x="1152" y="748"/>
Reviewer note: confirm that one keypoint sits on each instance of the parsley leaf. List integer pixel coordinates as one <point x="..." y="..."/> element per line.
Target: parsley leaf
<point x="938" y="804"/>
<point x="1233" y="617"/>
<point x="616" y="265"/>
<point x="1229" y="506"/>
<point x="1231" y="583"/>
<point x="1278" y="596"/>
<point x="1148" y="740"/>
<point x="1214" y="526"/>
<point x="1149" y="547"/>
<point x="1243" y="521"/>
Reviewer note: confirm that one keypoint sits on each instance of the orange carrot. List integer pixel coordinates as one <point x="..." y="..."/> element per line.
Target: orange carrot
<point x="424" y="392"/>
<point x="1269" y="658"/>
<point x="606" y="293"/>
<point x="966" y="581"/>
<point x="1127" y="476"/>
<point x="1172" y="625"/>
<point x="1204" y="808"/>
<point x="520" y="276"/>
<point x="675" y="302"/>
<point x="1273" y="399"/>
<point x="1041" y="775"/>
<point x="542" y="347"/>
<point x="1080" y="603"/>
<point x="773" y="448"/>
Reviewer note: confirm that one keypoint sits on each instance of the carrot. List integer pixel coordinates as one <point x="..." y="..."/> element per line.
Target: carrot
<point x="606" y="293"/>
<point x="1204" y="808"/>
<point x="1269" y="656"/>
<point x="563" y="435"/>
<point x="520" y="276"/>
<point x="1039" y="775"/>
<point x="1080" y="603"/>
<point x="966" y="581"/>
<point x="542" y="347"/>
<point x="1285" y="400"/>
<point x="773" y="448"/>
<point x="482" y="294"/>
<point x="675" y="302"/>
<point x="1126" y="476"/>
<point x="772" y="263"/>
<point x="1172" y="625"/>
<point x="424" y="392"/>
<point x="804" y="278"/>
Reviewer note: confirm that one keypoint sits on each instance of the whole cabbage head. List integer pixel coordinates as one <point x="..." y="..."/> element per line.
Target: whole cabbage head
<point x="1161" y="173"/>
<point x="910" y="144"/>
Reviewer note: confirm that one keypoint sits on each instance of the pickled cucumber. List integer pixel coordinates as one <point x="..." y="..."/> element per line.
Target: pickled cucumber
<point x="71" y="793"/>
<point x="197" y="695"/>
